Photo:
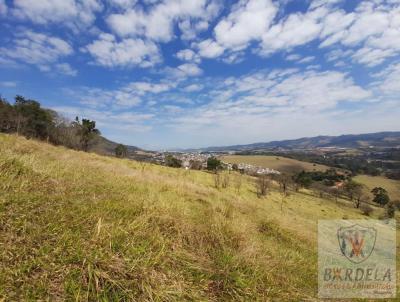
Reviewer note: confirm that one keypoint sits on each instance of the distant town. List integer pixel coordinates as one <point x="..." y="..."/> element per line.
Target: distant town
<point x="200" y="161"/>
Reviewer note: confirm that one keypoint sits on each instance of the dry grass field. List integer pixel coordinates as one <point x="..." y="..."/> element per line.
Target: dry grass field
<point x="82" y="227"/>
<point x="391" y="185"/>
<point x="279" y="163"/>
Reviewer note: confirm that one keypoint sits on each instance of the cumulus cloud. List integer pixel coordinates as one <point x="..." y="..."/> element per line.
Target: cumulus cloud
<point x="126" y="96"/>
<point x="210" y="49"/>
<point x="73" y="13"/>
<point x="257" y="21"/>
<point x="270" y="102"/>
<point x="247" y="21"/>
<point x="188" y="55"/>
<point x="184" y="70"/>
<point x="109" y="52"/>
<point x="110" y="120"/>
<point x="296" y="30"/>
<point x="388" y="81"/>
<point x="38" y="49"/>
<point x="158" y="23"/>
<point x="378" y="42"/>
<point x="273" y="93"/>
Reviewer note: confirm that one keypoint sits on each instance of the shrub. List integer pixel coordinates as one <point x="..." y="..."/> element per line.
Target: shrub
<point x="390" y="210"/>
<point x="366" y="209"/>
<point x="381" y="196"/>
<point x="262" y="185"/>
<point x="213" y="164"/>
<point x="172" y="161"/>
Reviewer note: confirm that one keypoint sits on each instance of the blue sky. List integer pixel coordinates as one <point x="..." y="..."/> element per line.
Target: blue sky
<point x="178" y="73"/>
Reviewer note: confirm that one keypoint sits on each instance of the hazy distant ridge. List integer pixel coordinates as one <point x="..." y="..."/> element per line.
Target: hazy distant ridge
<point x="379" y="139"/>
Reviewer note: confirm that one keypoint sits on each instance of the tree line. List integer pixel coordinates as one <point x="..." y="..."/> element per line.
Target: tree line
<point x="28" y="118"/>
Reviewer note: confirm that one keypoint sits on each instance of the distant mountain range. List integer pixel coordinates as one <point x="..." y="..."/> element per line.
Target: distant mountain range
<point x="379" y="139"/>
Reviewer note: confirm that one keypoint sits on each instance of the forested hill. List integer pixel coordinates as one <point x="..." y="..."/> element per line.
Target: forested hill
<point x="28" y="118"/>
<point x="379" y="139"/>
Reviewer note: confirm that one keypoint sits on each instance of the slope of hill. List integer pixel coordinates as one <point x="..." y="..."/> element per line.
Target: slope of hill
<point x="391" y="185"/>
<point x="282" y="164"/>
<point x="103" y="146"/>
<point x="79" y="226"/>
<point x="380" y="139"/>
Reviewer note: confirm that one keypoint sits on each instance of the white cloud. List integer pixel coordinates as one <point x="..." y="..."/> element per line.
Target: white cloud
<point x="123" y="3"/>
<point x="109" y="120"/>
<point x="388" y="82"/>
<point x="107" y="51"/>
<point x="62" y="68"/>
<point x="300" y="59"/>
<point x="66" y="69"/>
<point x="210" y="49"/>
<point x="188" y="69"/>
<point x="307" y="59"/>
<point x="3" y="7"/>
<point x="173" y="109"/>
<point x="252" y="21"/>
<point x="158" y="23"/>
<point x="255" y="106"/>
<point x="188" y="55"/>
<point x="147" y="87"/>
<point x="184" y="70"/>
<point x="36" y="48"/>
<point x="8" y="84"/>
<point x="296" y="30"/>
<point x="248" y="20"/>
<point x="73" y="13"/>
<point x="126" y="96"/>
<point x="190" y="29"/>
<point x="378" y="42"/>
<point x="277" y="92"/>
<point x="193" y="88"/>
<point x="293" y="57"/>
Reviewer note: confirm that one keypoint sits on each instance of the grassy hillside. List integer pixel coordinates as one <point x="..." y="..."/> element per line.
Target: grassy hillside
<point x="282" y="164"/>
<point x="83" y="227"/>
<point x="391" y="185"/>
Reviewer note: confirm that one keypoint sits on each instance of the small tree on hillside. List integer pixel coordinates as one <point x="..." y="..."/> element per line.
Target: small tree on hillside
<point x="213" y="164"/>
<point x="172" y="161"/>
<point x="380" y="196"/>
<point x="303" y="179"/>
<point x="121" y="151"/>
<point x="284" y="183"/>
<point x="195" y="164"/>
<point x="355" y="192"/>
<point x="31" y="119"/>
<point x="352" y="189"/>
<point x="87" y="131"/>
<point x="262" y="185"/>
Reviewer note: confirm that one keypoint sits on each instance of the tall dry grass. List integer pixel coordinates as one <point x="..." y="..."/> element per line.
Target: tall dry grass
<point x="82" y="227"/>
